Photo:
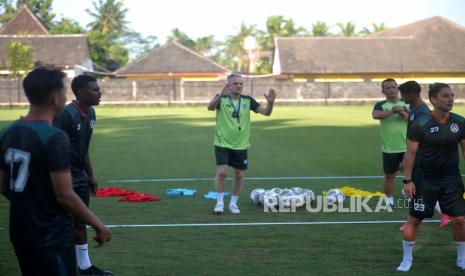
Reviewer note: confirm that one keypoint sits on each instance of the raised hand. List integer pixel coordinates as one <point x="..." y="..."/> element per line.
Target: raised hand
<point x="226" y="89"/>
<point x="271" y="96"/>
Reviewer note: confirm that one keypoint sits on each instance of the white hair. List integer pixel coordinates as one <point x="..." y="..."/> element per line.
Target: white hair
<point x="233" y="75"/>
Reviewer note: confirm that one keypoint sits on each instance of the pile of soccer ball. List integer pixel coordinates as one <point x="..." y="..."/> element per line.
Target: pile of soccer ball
<point x="294" y="197"/>
<point x="288" y="197"/>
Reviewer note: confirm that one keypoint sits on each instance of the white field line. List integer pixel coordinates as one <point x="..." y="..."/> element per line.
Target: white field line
<point x="252" y="178"/>
<point x="262" y="223"/>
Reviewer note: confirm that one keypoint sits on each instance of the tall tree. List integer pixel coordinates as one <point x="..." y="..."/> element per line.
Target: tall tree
<point x="182" y="38"/>
<point x="376" y="28"/>
<point x="205" y="45"/>
<point x="66" y="26"/>
<point x="41" y="8"/>
<point x="234" y="54"/>
<point x="19" y="61"/>
<point x="20" y="58"/>
<point x="107" y="34"/>
<point x="109" y="18"/>
<point x="320" y="28"/>
<point x="347" y="29"/>
<point x="278" y="26"/>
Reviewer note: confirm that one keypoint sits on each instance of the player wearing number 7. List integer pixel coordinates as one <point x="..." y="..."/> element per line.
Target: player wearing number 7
<point x="232" y="135"/>
<point x="436" y="136"/>
<point x="35" y="176"/>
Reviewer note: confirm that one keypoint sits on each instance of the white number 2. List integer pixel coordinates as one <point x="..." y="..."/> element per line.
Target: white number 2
<point x="13" y="156"/>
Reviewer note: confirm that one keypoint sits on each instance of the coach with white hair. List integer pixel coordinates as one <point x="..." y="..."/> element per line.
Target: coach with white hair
<point x="232" y="135"/>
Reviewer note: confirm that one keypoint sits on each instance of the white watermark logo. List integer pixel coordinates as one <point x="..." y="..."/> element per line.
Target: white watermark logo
<point x="325" y="204"/>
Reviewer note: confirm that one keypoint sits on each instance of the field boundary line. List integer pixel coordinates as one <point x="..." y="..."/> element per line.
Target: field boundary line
<point x="252" y="178"/>
<point x="261" y="223"/>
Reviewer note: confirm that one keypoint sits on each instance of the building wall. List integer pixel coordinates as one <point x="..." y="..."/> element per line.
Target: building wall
<point x="166" y="91"/>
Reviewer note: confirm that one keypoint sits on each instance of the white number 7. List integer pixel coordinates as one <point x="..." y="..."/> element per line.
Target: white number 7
<point x="13" y="156"/>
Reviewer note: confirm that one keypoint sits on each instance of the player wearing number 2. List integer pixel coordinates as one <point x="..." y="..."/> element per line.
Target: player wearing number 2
<point x="35" y="177"/>
<point x="232" y="135"/>
<point x="436" y="137"/>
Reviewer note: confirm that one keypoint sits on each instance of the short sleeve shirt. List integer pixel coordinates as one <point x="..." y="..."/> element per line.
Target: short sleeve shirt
<point x="438" y="144"/>
<point x="232" y="131"/>
<point x="29" y="151"/>
<point x="79" y="126"/>
<point x="393" y="129"/>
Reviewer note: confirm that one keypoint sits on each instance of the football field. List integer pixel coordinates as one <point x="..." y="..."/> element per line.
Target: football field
<point x="315" y="147"/>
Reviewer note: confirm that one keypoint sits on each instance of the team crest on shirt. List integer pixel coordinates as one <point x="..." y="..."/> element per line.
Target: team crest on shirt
<point x="412" y="117"/>
<point x="78" y="127"/>
<point x="454" y="128"/>
<point x="92" y="124"/>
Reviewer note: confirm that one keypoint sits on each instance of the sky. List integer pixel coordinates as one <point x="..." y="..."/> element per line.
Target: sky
<point x="222" y="18"/>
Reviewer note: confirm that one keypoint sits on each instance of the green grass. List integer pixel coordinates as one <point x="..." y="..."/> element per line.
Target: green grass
<point x="148" y="143"/>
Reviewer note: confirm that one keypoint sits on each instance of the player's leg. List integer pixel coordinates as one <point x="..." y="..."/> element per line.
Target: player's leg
<point x="236" y="191"/>
<point x="421" y="206"/>
<point x="391" y="162"/>
<point x="239" y="162"/>
<point x="81" y="247"/>
<point x="453" y="204"/>
<point x="410" y="233"/>
<point x="458" y="224"/>
<point x="220" y="178"/>
<point x="444" y="218"/>
<point x="85" y="266"/>
<point x="222" y="159"/>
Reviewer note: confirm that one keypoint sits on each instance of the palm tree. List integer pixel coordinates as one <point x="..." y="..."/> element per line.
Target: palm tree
<point x="320" y="28"/>
<point x="278" y="26"/>
<point x="109" y="18"/>
<point x="376" y="28"/>
<point x="182" y="38"/>
<point x="205" y="44"/>
<point x="347" y="30"/>
<point x="235" y="44"/>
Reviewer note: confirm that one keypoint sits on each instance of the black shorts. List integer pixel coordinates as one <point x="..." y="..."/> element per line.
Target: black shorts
<point x="234" y="158"/>
<point x="83" y="192"/>
<point x="44" y="261"/>
<point x="391" y="161"/>
<point x="448" y="191"/>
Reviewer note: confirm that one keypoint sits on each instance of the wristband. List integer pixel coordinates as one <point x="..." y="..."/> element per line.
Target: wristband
<point x="406" y="181"/>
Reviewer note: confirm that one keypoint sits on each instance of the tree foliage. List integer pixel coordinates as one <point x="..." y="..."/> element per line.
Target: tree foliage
<point x="41" y="8"/>
<point x="347" y="29"/>
<point x="66" y="26"/>
<point x="20" y="58"/>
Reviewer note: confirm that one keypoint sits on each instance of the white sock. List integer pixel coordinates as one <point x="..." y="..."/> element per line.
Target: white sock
<point x="390" y="200"/>
<point x="82" y="256"/>
<point x="460" y="246"/>
<point x="438" y="208"/>
<point x="219" y="198"/>
<point x="408" y="248"/>
<point x="233" y="200"/>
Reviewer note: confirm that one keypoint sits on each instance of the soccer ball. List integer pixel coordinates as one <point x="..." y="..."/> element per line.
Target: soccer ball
<point x="298" y="199"/>
<point x="285" y="192"/>
<point x="308" y="194"/>
<point x="271" y="199"/>
<point x="335" y="196"/>
<point x="255" y="195"/>
<point x="297" y="190"/>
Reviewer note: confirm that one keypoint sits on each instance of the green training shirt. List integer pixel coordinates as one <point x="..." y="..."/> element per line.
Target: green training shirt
<point x="232" y="131"/>
<point x="393" y="128"/>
